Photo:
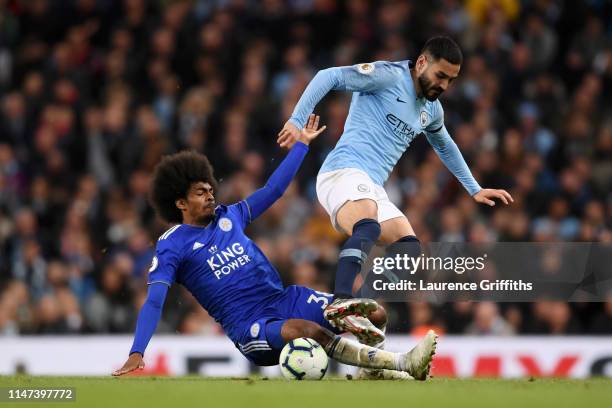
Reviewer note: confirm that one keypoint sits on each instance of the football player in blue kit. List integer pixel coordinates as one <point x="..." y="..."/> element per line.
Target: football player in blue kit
<point x="208" y="252"/>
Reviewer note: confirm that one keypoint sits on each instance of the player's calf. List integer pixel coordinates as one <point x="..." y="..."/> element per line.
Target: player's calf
<point x="408" y="245"/>
<point x="365" y="232"/>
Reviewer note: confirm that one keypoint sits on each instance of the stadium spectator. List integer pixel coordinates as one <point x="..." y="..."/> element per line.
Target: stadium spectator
<point x="488" y="321"/>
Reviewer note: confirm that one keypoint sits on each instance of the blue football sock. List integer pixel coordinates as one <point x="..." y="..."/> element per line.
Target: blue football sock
<point x="353" y="254"/>
<point x="406" y="245"/>
<point x="409" y="245"/>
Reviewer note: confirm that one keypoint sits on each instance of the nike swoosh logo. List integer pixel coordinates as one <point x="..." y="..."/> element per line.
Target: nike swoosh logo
<point x="399" y="100"/>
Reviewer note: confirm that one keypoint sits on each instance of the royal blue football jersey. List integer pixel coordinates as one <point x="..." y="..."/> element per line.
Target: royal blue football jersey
<point x="223" y="269"/>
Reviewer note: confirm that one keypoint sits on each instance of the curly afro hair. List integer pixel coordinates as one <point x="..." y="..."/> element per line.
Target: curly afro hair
<point x="172" y="179"/>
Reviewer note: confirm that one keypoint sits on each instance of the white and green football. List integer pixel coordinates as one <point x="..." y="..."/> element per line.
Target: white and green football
<point x="303" y="359"/>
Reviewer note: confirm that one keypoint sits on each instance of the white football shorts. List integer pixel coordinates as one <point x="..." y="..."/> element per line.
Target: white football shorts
<point x="334" y="188"/>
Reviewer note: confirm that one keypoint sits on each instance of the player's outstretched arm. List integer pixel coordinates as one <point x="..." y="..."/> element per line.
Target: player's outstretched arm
<point x="452" y="158"/>
<point x="145" y="327"/>
<point x="323" y="82"/>
<point x="356" y="78"/>
<point x="275" y="187"/>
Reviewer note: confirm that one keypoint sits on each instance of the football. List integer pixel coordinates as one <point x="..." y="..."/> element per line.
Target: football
<point x="303" y="359"/>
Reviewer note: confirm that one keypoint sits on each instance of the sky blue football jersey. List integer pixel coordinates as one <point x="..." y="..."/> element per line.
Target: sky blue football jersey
<point x="223" y="269"/>
<point x="384" y="117"/>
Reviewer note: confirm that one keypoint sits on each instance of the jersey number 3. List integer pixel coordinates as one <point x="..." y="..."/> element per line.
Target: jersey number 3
<point x="323" y="299"/>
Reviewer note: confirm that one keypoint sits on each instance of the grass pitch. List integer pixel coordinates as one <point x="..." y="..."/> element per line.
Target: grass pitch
<point x="185" y="392"/>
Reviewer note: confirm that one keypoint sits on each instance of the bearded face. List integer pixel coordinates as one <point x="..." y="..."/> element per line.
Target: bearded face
<point x="428" y="87"/>
<point x="434" y="77"/>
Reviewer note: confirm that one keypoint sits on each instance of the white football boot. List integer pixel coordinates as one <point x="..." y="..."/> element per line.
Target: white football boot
<point x="382" y="374"/>
<point x="362" y="328"/>
<point x="418" y="360"/>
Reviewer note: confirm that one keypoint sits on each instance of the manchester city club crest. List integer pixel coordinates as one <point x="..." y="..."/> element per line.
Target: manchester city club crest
<point x="225" y="224"/>
<point x="424" y="119"/>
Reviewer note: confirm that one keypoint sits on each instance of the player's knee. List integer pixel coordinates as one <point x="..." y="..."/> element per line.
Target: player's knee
<point x="378" y="317"/>
<point x="354" y="211"/>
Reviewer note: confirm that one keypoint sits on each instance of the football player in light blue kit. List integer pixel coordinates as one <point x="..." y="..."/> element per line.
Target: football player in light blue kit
<point x="393" y="103"/>
<point x="208" y="252"/>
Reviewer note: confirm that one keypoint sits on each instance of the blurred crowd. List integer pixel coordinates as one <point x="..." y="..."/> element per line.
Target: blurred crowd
<point x="94" y="92"/>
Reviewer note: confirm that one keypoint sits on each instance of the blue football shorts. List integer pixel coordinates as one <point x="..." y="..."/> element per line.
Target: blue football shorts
<point x="261" y="342"/>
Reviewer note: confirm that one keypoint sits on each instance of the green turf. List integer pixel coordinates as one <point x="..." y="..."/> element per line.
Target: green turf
<point x="185" y="392"/>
